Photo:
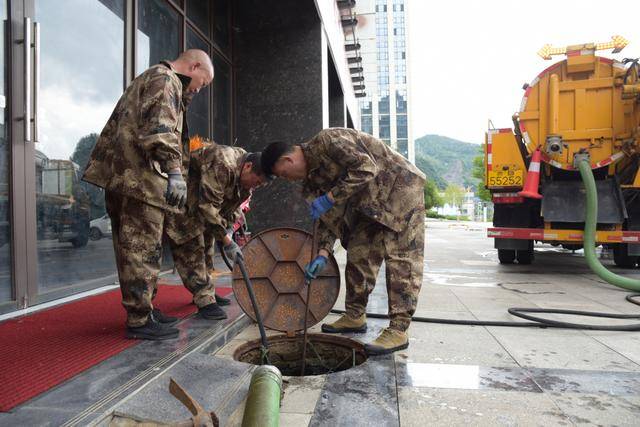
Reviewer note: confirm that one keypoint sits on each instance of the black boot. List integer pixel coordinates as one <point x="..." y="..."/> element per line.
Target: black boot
<point x="212" y="312"/>
<point x="163" y="318"/>
<point x="152" y="330"/>
<point x="222" y="300"/>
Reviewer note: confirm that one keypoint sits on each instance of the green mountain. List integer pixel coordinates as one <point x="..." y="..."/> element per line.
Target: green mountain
<point x="446" y="160"/>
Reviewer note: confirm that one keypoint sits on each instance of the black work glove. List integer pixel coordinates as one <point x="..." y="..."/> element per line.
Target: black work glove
<point x="176" y="190"/>
<point x="233" y="252"/>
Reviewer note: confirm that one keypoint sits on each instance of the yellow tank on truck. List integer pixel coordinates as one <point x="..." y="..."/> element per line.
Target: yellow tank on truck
<point x="584" y="107"/>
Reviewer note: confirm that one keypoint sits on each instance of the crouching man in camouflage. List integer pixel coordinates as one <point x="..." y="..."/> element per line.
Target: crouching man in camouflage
<point x="138" y="161"/>
<point x="220" y="179"/>
<point x="372" y="199"/>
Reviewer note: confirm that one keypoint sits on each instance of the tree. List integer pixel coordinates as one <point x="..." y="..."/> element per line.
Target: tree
<point x="479" y="173"/>
<point x="84" y="147"/>
<point x="80" y="156"/>
<point x="454" y="195"/>
<point x="431" y="196"/>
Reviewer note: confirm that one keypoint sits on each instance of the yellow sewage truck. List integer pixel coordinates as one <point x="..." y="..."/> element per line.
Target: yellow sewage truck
<point x="584" y="107"/>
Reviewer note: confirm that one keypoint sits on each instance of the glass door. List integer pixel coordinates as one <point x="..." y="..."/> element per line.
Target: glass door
<point x="7" y="291"/>
<point x="80" y="61"/>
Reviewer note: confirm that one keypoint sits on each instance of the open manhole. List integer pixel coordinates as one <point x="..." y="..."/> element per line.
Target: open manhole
<point x="325" y="354"/>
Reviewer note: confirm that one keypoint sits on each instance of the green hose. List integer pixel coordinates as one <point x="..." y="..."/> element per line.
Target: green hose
<point x="263" y="401"/>
<point x="590" y="233"/>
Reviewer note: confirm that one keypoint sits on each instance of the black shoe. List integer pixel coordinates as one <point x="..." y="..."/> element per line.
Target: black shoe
<point x="222" y="300"/>
<point x="163" y="318"/>
<point x="212" y="312"/>
<point x="152" y="330"/>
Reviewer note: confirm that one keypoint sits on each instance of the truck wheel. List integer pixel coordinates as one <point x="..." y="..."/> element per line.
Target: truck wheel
<point x="525" y="257"/>
<point x="506" y="256"/>
<point x="622" y="258"/>
<point x="95" y="233"/>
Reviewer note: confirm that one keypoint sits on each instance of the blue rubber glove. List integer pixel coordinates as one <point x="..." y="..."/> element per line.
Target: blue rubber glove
<point x="312" y="270"/>
<point x="319" y="206"/>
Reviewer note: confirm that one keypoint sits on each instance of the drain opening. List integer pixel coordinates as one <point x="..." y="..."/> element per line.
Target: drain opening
<point x="325" y="354"/>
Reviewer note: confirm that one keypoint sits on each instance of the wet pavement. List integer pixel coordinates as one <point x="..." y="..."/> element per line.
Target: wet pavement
<point x="449" y="375"/>
<point x="476" y="375"/>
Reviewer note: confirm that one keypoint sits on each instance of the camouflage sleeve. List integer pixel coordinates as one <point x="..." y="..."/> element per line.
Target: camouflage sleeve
<point x="326" y="238"/>
<point x="212" y="184"/>
<point x="158" y="119"/>
<point x="359" y="167"/>
<point x="233" y="217"/>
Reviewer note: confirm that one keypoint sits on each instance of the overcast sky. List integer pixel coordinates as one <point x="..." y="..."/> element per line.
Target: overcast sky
<point x="469" y="59"/>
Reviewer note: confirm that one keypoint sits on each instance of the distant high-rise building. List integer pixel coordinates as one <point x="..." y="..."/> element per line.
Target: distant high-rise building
<point x="385" y="109"/>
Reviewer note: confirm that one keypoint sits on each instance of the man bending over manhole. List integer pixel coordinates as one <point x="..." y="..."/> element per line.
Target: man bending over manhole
<point x="372" y="199"/>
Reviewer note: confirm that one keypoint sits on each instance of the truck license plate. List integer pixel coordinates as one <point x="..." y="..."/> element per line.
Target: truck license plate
<point x="508" y="178"/>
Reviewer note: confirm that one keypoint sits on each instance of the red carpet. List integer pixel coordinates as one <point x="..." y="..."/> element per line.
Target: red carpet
<point x="41" y="350"/>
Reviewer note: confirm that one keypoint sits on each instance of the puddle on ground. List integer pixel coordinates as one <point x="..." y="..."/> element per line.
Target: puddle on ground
<point x="455" y="280"/>
<point x="478" y="263"/>
<point x="443" y="375"/>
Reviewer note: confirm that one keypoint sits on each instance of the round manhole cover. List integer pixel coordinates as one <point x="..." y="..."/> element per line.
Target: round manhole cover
<point x="275" y="261"/>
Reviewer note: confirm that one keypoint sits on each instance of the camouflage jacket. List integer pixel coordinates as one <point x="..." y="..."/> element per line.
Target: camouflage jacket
<point x="142" y="139"/>
<point x="215" y="193"/>
<point x="365" y="177"/>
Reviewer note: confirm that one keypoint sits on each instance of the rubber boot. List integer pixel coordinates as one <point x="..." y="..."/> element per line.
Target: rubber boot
<point x="346" y="324"/>
<point x="152" y="330"/>
<point x="388" y="341"/>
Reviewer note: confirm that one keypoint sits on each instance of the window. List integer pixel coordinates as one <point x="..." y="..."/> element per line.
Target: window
<point x="199" y="12"/>
<point x="403" y="147"/>
<point x="401" y="126"/>
<point x="221" y="24"/>
<point x="82" y="64"/>
<point x="367" y="124"/>
<point x="158" y="35"/>
<point x="365" y="105"/>
<point x="198" y="111"/>
<point x="383" y="102"/>
<point x="384" y="123"/>
<point x="221" y="101"/>
<point x="401" y="101"/>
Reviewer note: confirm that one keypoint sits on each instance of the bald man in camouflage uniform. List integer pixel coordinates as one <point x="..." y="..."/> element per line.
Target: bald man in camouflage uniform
<point x="138" y="161"/>
<point x="372" y="199"/>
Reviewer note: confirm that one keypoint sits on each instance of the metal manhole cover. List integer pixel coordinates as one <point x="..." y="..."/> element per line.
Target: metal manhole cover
<point x="275" y="261"/>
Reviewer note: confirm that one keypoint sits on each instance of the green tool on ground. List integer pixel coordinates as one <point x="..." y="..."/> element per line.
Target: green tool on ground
<point x="263" y="401"/>
<point x="256" y="310"/>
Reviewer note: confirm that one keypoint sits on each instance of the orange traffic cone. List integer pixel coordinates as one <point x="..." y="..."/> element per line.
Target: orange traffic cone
<point x="533" y="177"/>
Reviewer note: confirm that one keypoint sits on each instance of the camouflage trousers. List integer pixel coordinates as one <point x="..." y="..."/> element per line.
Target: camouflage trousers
<point x="189" y="259"/>
<point x="209" y="247"/>
<point x="137" y="230"/>
<point x="369" y="243"/>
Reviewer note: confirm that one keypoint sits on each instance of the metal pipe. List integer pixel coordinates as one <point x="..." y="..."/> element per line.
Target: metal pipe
<point x="36" y="82"/>
<point x="28" y="79"/>
<point x="263" y="400"/>
<point x="306" y="311"/>
<point x="256" y="309"/>
<point x="554" y="104"/>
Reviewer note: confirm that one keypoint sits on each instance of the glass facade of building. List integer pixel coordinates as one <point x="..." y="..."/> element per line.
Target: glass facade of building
<point x="55" y="238"/>
<point x="385" y="108"/>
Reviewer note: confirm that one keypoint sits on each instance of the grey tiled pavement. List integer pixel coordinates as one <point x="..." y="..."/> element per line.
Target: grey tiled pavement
<point x="475" y="375"/>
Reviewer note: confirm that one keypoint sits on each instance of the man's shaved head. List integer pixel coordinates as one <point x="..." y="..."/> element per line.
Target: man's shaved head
<point x="197" y="56"/>
<point x="195" y="63"/>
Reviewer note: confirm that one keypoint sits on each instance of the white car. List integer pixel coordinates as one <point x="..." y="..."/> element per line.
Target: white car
<point x="100" y="227"/>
